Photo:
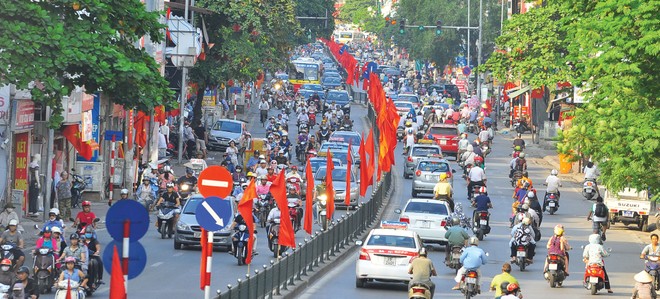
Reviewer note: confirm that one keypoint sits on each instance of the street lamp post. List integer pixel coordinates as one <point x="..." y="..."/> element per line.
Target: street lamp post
<point x="479" y="46"/>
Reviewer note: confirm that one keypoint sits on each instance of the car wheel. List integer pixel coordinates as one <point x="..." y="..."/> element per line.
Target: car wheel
<point x="359" y="283"/>
<point x="177" y="245"/>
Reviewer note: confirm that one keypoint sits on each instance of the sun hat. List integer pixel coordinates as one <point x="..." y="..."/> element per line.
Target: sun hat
<point x="643" y="277"/>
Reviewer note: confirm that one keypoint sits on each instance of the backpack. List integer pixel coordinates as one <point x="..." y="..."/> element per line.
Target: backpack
<point x="520" y="164"/>
<point x="522" y="236"/>
<point x="601" y="210"/>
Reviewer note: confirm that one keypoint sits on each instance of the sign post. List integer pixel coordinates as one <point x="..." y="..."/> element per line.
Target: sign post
<point x="212" y="214"/>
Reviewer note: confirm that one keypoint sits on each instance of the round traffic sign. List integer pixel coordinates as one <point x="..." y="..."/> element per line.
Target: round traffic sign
<point x="467" y="71"/>
<point x="122" y="211"/>
<point x="137" y="257"/>
<point x="213" y="213"/>
<point x="215" y="181"/>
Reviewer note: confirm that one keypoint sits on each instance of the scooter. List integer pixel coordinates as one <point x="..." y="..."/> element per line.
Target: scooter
<point x="556" y="273"/>
<point x="322" y="211"/>
<point x="5" y="290"/>
<point x="78" y="185"/>
<point x="186" y="189"/>
<point x="240" y="250"/>
<point x="7" y="252"/>
<point x="552" y="200"/>
<point x="469" y="286"/>
<point x="166" y="220"/>
<point x="63" y="290"/>
<point x="44" y="269"/>
<point x="293" y="214"/>
<point x="400" y="133"/>
<point x="419" y="290"/>
<point x="517" y="175"/>
<point x="653" y="268"/>
<point x="521" y="257"/>
<point x="594" y="278"/>
<point x="481" y="225"/>
<point x="300" y="151"/>
<point x="455" y="258"/>
<point x="273" y="239"/>
<point x="263" y="206"/>
<point x="589" y="189"/>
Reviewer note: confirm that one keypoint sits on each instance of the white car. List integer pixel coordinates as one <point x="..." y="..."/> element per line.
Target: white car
<point x="427" y="217"/>
<point x="386" y="254"/>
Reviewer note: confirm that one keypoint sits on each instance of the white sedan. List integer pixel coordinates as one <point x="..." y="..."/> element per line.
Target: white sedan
<point x="427" y="217"/>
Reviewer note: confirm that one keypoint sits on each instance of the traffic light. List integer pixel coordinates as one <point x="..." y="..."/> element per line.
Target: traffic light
<point x="438" y="28"/>
<point x="402" y="26"/>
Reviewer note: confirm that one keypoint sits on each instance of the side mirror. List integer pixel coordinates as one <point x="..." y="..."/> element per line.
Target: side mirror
<point x="397" y="211"/>
<point x="358" y="243"/>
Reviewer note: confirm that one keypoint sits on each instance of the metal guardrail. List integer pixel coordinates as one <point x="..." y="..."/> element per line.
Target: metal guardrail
<point x="284" y="273"/>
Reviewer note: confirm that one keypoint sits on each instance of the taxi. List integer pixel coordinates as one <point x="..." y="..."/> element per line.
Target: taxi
<point x="386" y="254"/>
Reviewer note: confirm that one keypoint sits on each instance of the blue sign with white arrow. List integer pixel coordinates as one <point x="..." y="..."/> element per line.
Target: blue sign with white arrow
<point x="213" y="213"/>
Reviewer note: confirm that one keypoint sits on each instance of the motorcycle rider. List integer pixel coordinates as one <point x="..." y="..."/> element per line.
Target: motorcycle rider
<point x="238" y="220"/>
<point x="30" y="288"/>
<point x="253" y="161"/>
<point x="319" y="190"/>
<point x="264" y="187"/>
<point x="86" y="216"/>
<point x="411" y="132"/>
<point x="558" y="245"/>
<point x="652" y="249"/>
<point x="53" y="220"/>
<point x="71" y="273"/>
<point x="519" y="142"/>
<point x="643" y="286"/>
<point x="6" y="275"/>
<point x="281" y="158"/>
<point x="444" y="190"/>
<point x="262" y="169"/>
<point x="462" y="146"/>
<point x="171" y="197"/>
<point x="76" y="251"/>
<point x="481" y="203"/>
<point x="510" y="291"/>
<point x="188" y="178"/>
<point x="591" y="173"/>
<point x="239" y="175"/>
<point x="146" y="193"/>
<point x="476" y="177"/>
<point x="422" y="269"/>
<point x="500" y="279"/>
<point x="601" y="220"/>
<point x="522" y="234"/>
<point x="593" y="254"/>
<point x="294" y="173"/>
<point x="14" y="237"/>
<point x="472" y="258"/>
<point x="534" y="205"/>
<point x="518" y="164"/>
<point x="456" y="236"/>
<point x="285" y="143"/>
<point x="553" y="183"/>
<point x="468" y="156"/>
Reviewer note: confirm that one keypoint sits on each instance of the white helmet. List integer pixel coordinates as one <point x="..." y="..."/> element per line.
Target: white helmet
<point x="530" y="194"/>
<point x="55" y="211"/>
<point x="125" y="191"/>
<point x="56" y="229"/>
<point x="554" y="172"/>
<point x="521" y="155"/>
<point x="473" y="241"/>
<point x="526" y="221"/>
<point x="167" y="168"/>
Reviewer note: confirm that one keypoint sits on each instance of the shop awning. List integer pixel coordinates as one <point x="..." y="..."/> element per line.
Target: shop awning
<point x="557" y="99"/>
<point x="519" y="92"/>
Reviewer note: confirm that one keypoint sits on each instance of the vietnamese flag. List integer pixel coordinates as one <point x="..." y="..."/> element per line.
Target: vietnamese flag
<point x="369" y="150"/>
<point x="349" y="167"/>
<point x="278" y="190"/>
<point x="309" y="202"/>
<point x="364" y="170"/>
<point x="141" y="129"/>
<point x="117" y="287"/>
<point x="74" y="136"/>
<point x="329" y="188"/>
<point x="245" y="209"/>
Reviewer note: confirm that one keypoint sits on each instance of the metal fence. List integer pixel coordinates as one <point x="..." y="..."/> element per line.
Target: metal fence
<point x="284" y="273"/>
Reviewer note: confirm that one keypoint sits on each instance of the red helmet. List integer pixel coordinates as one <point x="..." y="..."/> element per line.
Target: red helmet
<point x="6" y="262"/>
<point x="512" y="287"/>
<point x="479" y="159"/>
<point x="294" y="167"/>
<point x="86" y="203"/>
<point x="482" y="190"/>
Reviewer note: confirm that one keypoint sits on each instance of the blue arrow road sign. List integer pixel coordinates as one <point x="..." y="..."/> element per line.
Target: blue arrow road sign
<point x="213" y="213"/>
<point x="137" y="257"/>
<point x="127" y="210"/>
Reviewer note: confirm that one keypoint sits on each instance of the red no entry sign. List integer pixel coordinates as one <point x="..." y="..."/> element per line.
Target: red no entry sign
<point x="215" y="181"/>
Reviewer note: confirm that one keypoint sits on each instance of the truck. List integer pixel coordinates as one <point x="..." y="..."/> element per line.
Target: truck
<point x="630" y="206"/>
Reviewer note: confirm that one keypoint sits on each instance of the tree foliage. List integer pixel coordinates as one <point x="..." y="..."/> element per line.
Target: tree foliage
<point x="315" y="28"/>
<point x="612" y="48"/>
<point x="60" y="44"/>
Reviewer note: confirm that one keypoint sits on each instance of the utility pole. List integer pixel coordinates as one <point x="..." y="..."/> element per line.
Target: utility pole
<point x="479" y="45"/>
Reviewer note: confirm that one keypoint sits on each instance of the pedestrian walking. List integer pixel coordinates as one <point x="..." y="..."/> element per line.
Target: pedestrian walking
<point x="64" y="195"/>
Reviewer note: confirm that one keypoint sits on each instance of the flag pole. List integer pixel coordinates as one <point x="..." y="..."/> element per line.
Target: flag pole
<point x="279" y="249"/>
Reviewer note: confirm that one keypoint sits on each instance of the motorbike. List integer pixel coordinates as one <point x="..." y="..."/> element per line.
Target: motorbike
<point x="589" y="189"/>
<point x="322" y="211"/>
<point x="465" y="223"/>
<point x="273" y="239"/>
<point x="300" y="151"/>
<point x="469" y="286"/>
<point x="552" y="200"/>
<point x="294" y="214"/>
<point x="400" y="133"/>
<point x="312" y="119"/>
<point x="556" y="273"/>
<point x="263" y="208"/>
<point x="5" y="290"/>
<point x="517" y="174"/>
<point x="166" y="220"/>
<point x="186" y="189"/>
<point x="324" y="135"/>
<point x="472" y="127"/>
<point x="7" y="252"/>
<point x="653" y="268"/>
<point x="419" y="290"/>
<point x="454" y="261"/>
<point x="521" y="257"/>
<point x="594" y="278"/>
<point x="240" y="252"/>
<point x="520" y="127"/>
<point x="44" y="268"/>
<point x="481" y="225"/>
<point x="78" y="185"/>
<point x="63" y="290"/>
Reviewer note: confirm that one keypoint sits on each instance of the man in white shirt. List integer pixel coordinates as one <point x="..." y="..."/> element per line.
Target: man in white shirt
<point x="476" y="177"/>
<point x="165" y="130"/>
<point x="162" y="145"/>
<point x="462" y="146"/>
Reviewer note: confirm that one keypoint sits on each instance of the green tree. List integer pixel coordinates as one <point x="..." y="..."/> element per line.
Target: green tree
<point x="315" y="28"/>
<point x="60" y="44"/>
<point x="611" y="48"/>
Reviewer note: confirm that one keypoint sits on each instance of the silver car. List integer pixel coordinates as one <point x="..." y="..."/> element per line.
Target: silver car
<point x="427" y="172"/>
<point x="417" y="152"/>
<point x="224" y="131"/>
<point x="188" y="232"/>
<point x="339" y="184"/>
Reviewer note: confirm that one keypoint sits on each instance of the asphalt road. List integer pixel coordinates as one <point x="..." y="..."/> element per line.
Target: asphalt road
<point x="626" y="243"/>
<point x="175" y="273"/>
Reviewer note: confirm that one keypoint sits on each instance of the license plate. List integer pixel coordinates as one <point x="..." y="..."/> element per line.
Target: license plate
<point x="483" y="222"/>
<point x="551" y="204"/>
<point x="432" y="177"/>
<point x="442" y="142"/>
<point x="628" y="213"/>
<point x="424" y="224"/>
<point x="456" y="256"/>
<point x="470" y="280"/>
<point x="552" y="266"/>
<point x="521" y="254"/>
<point x="593" y="279"/>
<point x="197" y="234"/>
<point x="390" y="261"/>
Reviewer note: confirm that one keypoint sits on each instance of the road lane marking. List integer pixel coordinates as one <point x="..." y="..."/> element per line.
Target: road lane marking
<point x="178" y="254"/>
<point x="157" y="264"/>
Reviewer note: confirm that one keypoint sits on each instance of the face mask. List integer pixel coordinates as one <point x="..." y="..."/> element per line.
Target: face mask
<point x="88" y="236"/>
<point x="9" y="210"/>
<point x="5" y="268"/>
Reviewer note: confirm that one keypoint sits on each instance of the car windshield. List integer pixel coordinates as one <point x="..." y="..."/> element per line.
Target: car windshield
<point x="341" y="156"/>
<point x="338" y="97"/>
<point x="191" y="206"/>
<point x="433" y="166"/>
<point x="337" y="175"/>
<point x="316" y="164"/>
<point x="394" y="241"/>
<point x="409" y="98"/>
<point x="443" y="131"/>
<point x="425" y="151"/>
<point x="331" y="74"/>
<point x="312" y="87"/>
<point x="426" y="208"/>
<point x="331" y="80"/>
<point x="348" y="139"/>
<point x="227" y="126"/>
<point x="327" y="145"/>
<point x="403" y="105"/>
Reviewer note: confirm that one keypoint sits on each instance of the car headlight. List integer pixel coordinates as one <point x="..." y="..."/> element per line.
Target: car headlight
<point x="185" y="187"/>
<point x="183" y="226"/>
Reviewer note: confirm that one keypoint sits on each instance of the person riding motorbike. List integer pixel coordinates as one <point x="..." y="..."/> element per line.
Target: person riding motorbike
<point x="69" y="272"/>
<point x="285" y="143"/>
<point x="294" y="173"/>
<point x="239" y="220"/>
<point x="189" y="178"/>
<point x="558" y="245"/>
<point x="444" y="190"/>
<point x="593" y="254"/>
<point x="53" y="220"/>
<point x="456" y="235"/>
<point x="27" y="284"/>
<point x="281" y="158"/>
<point x="481" y="203"/>
<point x="652" y="249"/>
<point x="535" y="206"/>
<point x="14" y="237"/>
<point x="591" y="173"/>
<point x="498" y="282"/>
<point x="264" y="187"/>
<point x="319" y="190"/>
<point x="6" y="275"/>
<point x="522" y="234"/>
<point x="601" y="220"/>
<point x="472" y="258"/>
<point x="86" y="216"/>
<point x="518" y="164"/>
<point x="347" y="122"/>
<point x="462" y="146"/>
<point x="476" y="177"/>
<point x="553" y="183"/>
<point x="411" y="132"/>
<point x="75" y="250"/>
<point x="468" y="156"/>
<point x="171" y="197"/>
<point x="421" y="268"/>
<point x="519" y="141"/>
<point x="93" y="257"/>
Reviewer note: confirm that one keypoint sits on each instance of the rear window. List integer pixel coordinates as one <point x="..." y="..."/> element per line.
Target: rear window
<point x="337" y="175"/>
<point x="426" y="208"/>
<point x="409" y="98"/>
<point x="443" y="131"/>
<point x="394" y="241"/>
<point x="433" y="166"/>
<point x="350" y="139"/>
<point x="227" y="126"/>
<point x="402" y="105"/>
<point x="338" y="97"/>
<point x="425" y="151"/>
